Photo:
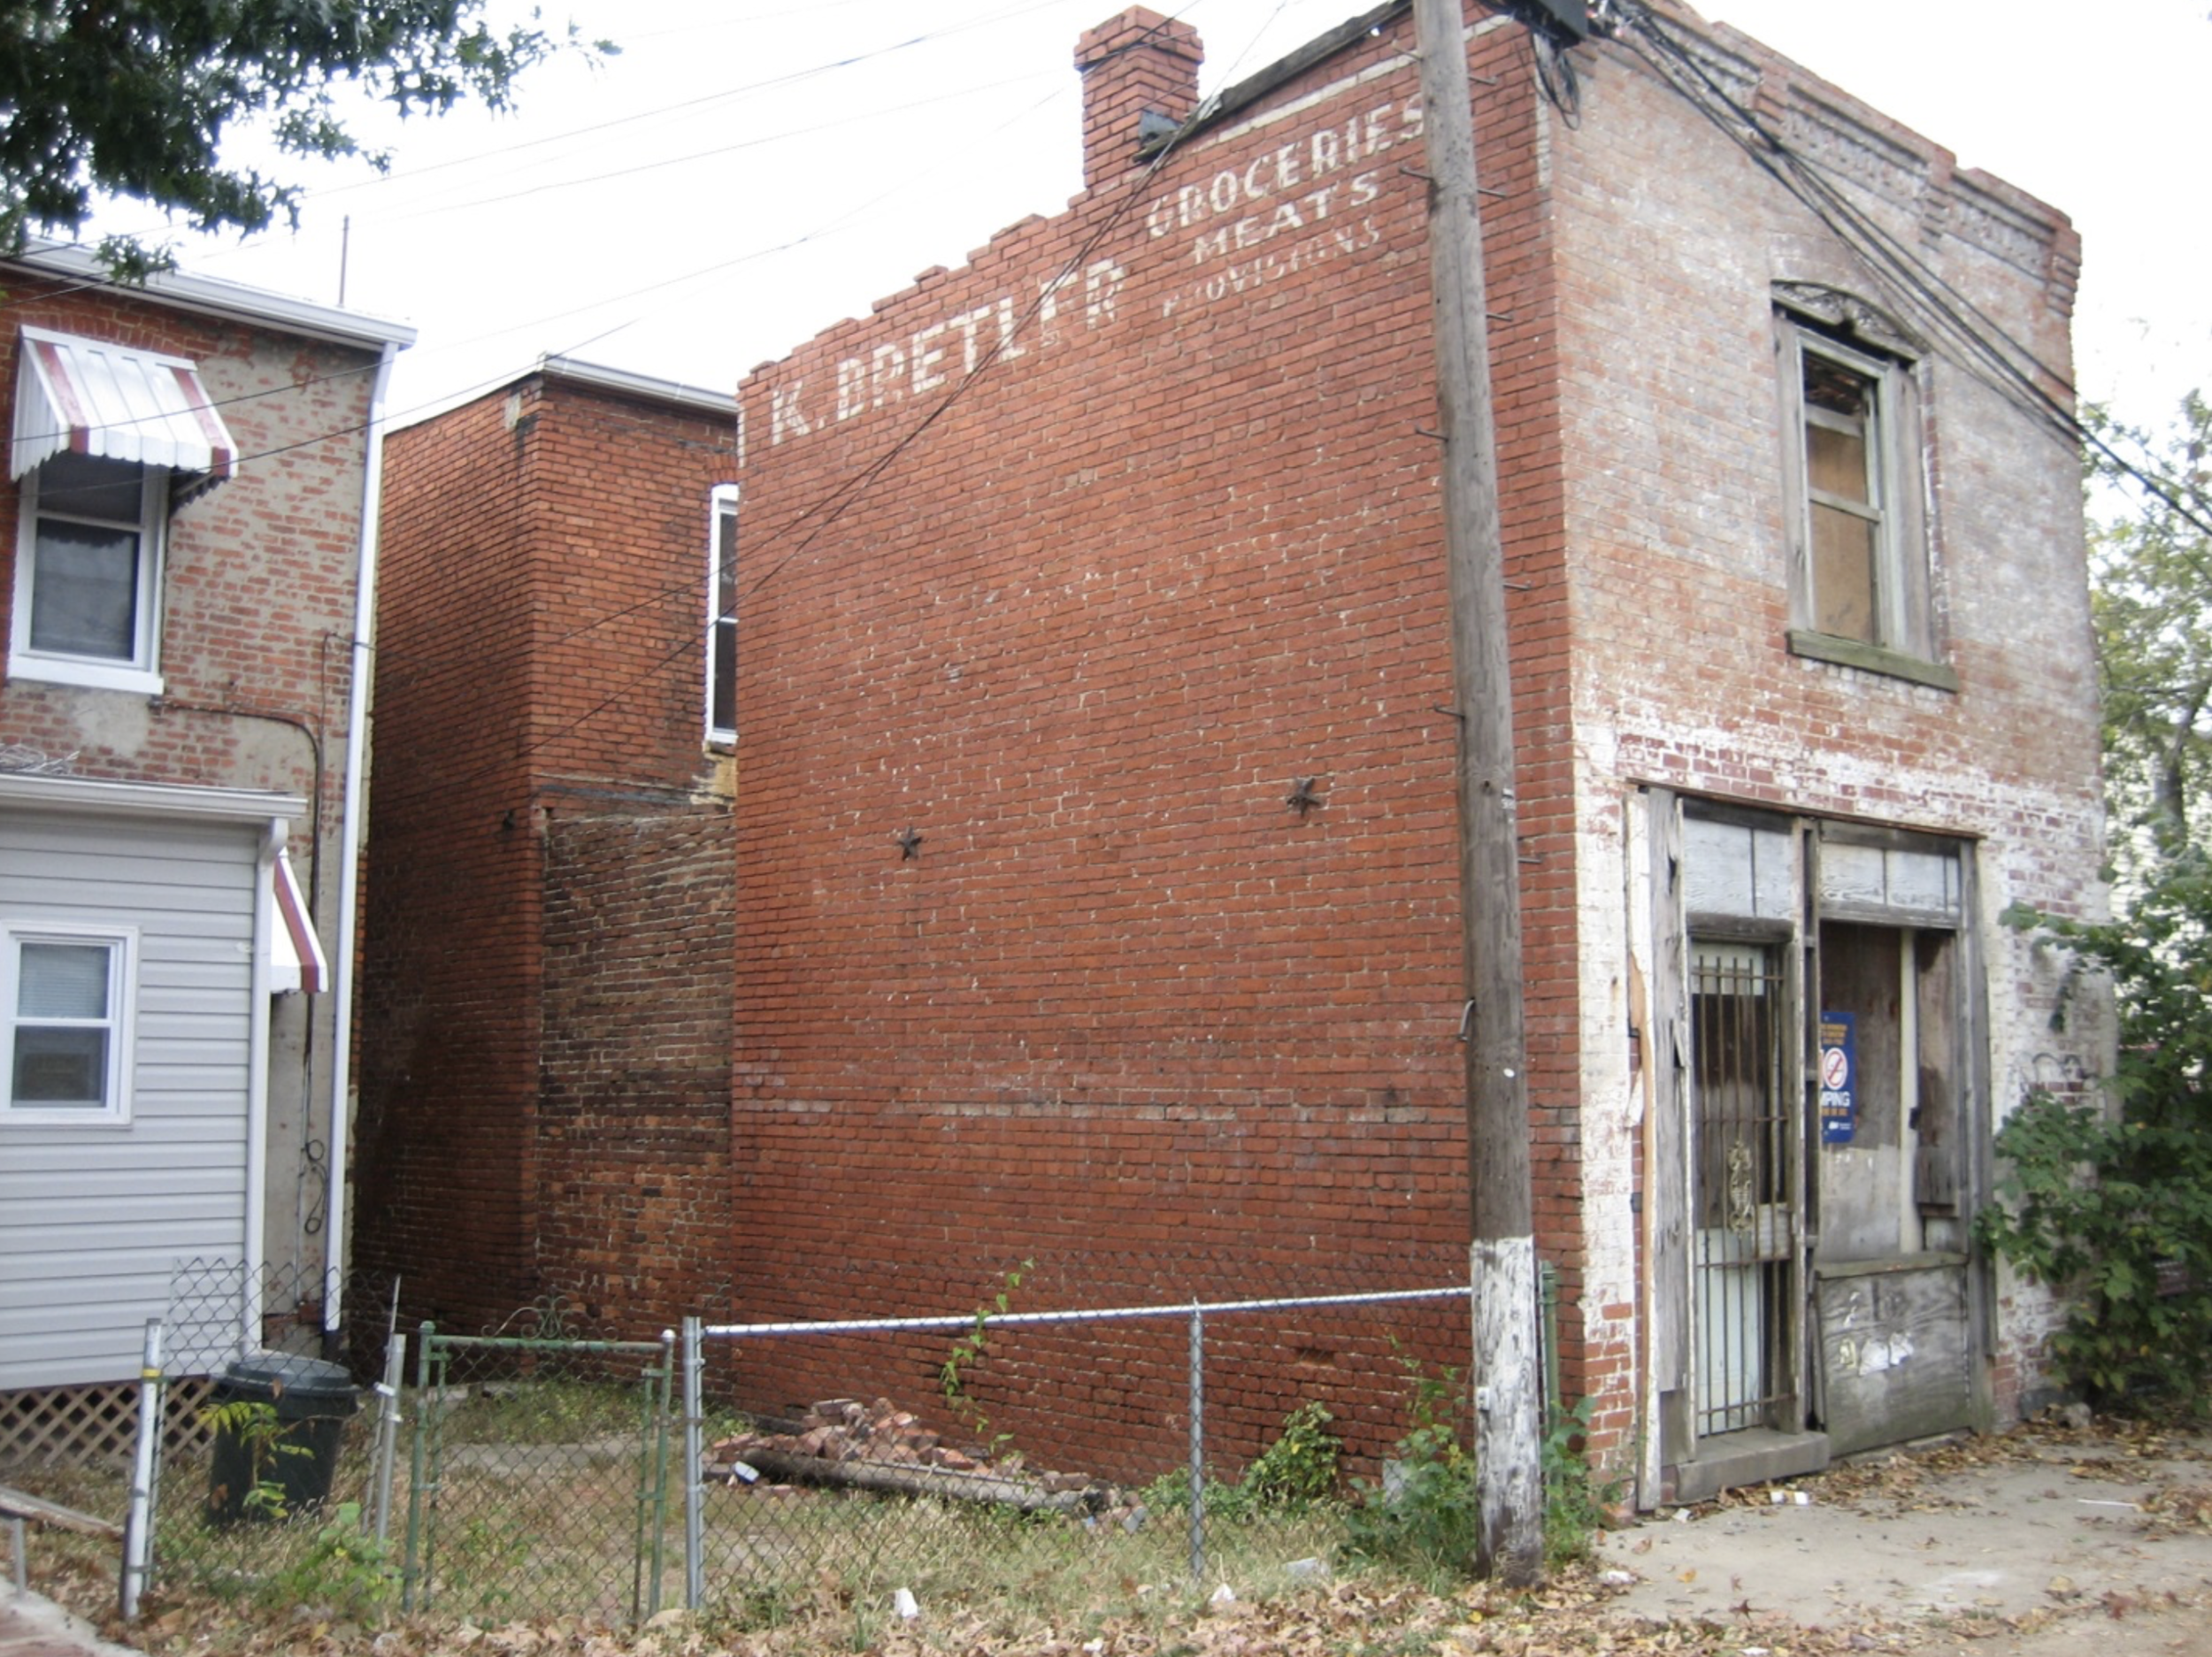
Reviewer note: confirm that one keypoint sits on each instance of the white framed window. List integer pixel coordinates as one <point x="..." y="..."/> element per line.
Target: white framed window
<point x="87" y="574"/>
<point x="721" y="640"/>
<point x="68" y="993"/>
<point x="1860" y="590"/>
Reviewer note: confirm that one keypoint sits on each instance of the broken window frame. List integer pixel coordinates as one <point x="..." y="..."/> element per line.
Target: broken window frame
<point x="1901" y="638"/>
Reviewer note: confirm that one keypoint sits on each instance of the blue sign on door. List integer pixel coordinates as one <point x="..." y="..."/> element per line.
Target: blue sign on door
<point x="1839" y="1078"/>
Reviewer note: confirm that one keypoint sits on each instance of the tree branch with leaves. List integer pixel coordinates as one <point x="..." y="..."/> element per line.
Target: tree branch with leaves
<point x="2151" y="573"/>
<point x="137" y="98"/>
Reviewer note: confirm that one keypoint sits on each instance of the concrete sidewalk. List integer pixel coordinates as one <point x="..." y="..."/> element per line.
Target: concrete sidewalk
<point x="2043" y="1542"/>
<point x="33" y="1626"/>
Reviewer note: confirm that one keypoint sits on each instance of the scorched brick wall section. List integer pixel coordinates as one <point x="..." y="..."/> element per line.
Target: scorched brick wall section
<point x="542" y="770"/>
<point x="634" y="1111"/>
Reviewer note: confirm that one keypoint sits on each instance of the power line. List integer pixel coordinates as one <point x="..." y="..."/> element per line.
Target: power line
<point x="828" y="508"/>
<point x="504" y="155"/>
<point x="1980" y="345"/>
<point x="781" y="135"/>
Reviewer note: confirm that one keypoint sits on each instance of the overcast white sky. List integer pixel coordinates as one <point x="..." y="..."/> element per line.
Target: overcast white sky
<point x="749" y="171"/>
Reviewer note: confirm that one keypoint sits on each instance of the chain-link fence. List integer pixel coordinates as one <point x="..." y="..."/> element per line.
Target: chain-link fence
<point x="1147" y="1414"/>
<point x="540" y="1477"/>
<point x="1092" y="1424"/>
<point x="265" y="1450"/>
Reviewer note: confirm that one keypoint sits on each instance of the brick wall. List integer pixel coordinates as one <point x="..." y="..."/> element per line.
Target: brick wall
<point x="633" y="1112"/>
<point x="1082" y="625"/>
<point x="541" y="771"/>
<point x="1064" y="575"/>
<point x="1176" y="551"/>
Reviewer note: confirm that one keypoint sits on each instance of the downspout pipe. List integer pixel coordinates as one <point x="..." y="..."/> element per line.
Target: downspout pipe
<point x="352" y="812"/>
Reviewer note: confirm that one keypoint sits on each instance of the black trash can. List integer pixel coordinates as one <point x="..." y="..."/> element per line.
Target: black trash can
<point x="288" y="1453"/>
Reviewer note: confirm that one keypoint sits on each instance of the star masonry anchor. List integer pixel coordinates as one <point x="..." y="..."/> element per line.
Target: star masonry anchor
<point x="910" y="844"/>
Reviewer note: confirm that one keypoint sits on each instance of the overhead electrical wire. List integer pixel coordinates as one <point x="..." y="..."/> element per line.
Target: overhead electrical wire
<point x="840" y="500"/>
<point x="1979" y="345"/>
<point x="504" y="154"/>
<point x="829" y="227"/>
<point x="781" y="135"/>
<point x="825" y="511"/>
<point x="1935" y="298"/>
<point x="832" y="227"/>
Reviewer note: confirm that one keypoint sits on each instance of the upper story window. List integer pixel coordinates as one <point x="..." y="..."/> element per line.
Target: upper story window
<point x="66" y="995"/>
<point x="88" y="566"/>
<point x="1859" y="577"/>
<point x="722" y="615"/>
<point x="107" y="442"/>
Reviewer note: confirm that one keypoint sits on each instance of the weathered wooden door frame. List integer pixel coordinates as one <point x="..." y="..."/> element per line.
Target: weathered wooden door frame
<point x="1662" y="927"/>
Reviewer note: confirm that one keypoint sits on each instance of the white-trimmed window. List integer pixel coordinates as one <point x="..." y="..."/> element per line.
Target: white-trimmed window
<point x="108" y="441"/>
<point x="721" y="640"/>
<point x="1860" y="584"/>
<point x="88" y="572"/>
<point x="67" y="992"/>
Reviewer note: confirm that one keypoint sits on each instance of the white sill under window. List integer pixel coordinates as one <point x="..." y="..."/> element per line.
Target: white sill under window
<point x="61" y="669"/>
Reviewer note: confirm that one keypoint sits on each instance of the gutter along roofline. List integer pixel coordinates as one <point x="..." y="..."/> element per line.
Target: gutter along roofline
<point x="213" y="297"/>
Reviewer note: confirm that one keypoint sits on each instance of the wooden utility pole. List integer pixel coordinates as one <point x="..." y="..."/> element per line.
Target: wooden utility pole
<point x="1501" y="1256"/>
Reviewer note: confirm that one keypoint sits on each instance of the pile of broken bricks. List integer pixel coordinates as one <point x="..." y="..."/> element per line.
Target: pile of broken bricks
<point x="841" y="1442"/>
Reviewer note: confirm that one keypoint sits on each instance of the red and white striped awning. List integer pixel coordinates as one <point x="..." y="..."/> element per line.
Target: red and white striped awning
<point x="98" y="399"/>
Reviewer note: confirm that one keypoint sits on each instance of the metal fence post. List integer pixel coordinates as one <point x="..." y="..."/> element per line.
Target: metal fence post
<point x="694" y="1494"/>
<point x="665" y="1395"/>
<point x="650" y="1520"/>
<point x="1197" y="1446"/>
<point x="387" y="1454"/>
<point x="138" y="1532"/>
<point x="425" y="1411"/>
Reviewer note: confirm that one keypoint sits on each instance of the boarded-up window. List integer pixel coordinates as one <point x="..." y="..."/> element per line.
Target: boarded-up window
<point x="1861" y="586"/>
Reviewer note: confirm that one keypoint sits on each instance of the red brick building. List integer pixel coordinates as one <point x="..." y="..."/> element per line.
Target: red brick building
<point x="546" y="1052"/>
<point x="182" y="747"/>
<point x="1094" y="885"/>
<point x="1804" y="698"/>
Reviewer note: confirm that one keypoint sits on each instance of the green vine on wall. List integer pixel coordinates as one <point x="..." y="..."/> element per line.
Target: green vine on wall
<point x="969" y="1350"/>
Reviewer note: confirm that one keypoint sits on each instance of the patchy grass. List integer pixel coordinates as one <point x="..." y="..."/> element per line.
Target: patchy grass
<point x="802" y="1573"/>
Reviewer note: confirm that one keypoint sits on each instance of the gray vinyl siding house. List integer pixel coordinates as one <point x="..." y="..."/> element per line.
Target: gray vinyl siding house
<point x="95" y="1213"/>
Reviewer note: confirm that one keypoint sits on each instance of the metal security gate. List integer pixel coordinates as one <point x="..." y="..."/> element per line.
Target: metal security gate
<point x="1744" y="1203"/>
<point x="538" y="1477"/>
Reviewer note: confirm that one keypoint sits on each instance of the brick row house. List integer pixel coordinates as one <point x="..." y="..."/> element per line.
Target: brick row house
<point x="545" y="1068"/>
<point x="1094" y="883"/>
<point x="190" y="477"/>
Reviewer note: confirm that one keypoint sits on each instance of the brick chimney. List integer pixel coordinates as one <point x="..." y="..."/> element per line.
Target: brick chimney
<point x="1136" y="63"/>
